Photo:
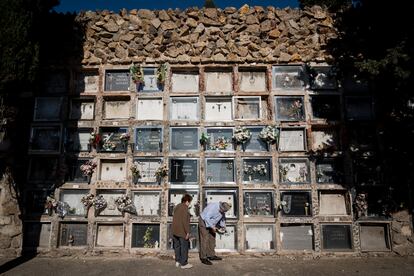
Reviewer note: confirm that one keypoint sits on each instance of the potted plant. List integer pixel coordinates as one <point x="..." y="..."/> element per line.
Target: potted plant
<point x="270" y="135"/>
<point x="204" y="140"/>
<point x="241" y="136"/>
<point x="136" y="174"/>
<point x="137" y="75"/>
<point x="161" y="76"/>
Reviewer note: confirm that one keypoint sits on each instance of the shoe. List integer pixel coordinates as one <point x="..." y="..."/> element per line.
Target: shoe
<point x="215" y="258"/>
<point x="206" y="261"/>
<point x="177" y="264"/>
<point x="186" y="266"/>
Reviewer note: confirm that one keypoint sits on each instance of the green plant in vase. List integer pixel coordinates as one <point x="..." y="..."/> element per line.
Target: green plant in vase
<point x="147" y="238"/>
<point x="204" y="139"/>
<point x="137" y="75"/>
<point x="161" y="75"/>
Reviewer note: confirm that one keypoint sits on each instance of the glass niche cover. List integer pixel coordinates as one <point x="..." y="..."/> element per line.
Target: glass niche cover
<point x="260" y="237"/>
<point x="47" y="108"/>
<point x="222" y="195"/>
<point x="148" y="139"/>
<point x="77" y="139"/>
<point x="147" y="203"/>
<point x="295" y="204"/>
<point x="323" y="78"/>
<point x="220" y="170"/>
<point x="288" y="77"/>
<point x="183" y="171"/>
<point x="73" y="234"/>
<point x="257" y="170"/>
<point x="147" y="168"/>
<point x="247" y="108"/>
<point x="175" y="196"/>
<point x="292" y="139"/>
<point x="289" y="108"/>
<point x="258" y="203"/>
<point x="145" y="236"/>
<point x="184" y="138"/>
<point x="255" y="143"/>
<point x="74" y="173"/>
<point x="328" y="171"/>
<point x="294" y="171"/>
<point x="113" y="139"/>
<point x="45" y="139"/>
<point x="73" y="199"/>
<point x="117" y="80"/>
<point x="184" y="108"/>
<point x="150" y="83"/>
<point x="220" y="139"/>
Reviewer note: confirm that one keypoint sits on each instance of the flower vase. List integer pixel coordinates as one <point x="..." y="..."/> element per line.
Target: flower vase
<point x="160" y="86"/>
<point x="88" y="179"/>
<point x="250" y="177"/>
<point x="135" y="179"/>
<point x="87" y="211"/>
<point x="243" y="146"/>
<point x="139" y="86"/>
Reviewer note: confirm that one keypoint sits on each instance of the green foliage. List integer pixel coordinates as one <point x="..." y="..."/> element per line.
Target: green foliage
<point x="209" y="4"/>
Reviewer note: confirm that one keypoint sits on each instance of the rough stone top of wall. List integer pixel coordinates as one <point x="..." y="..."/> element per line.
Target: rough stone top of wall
<point x="245" y="35"/>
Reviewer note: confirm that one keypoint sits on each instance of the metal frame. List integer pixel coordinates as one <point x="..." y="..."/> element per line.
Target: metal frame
<point x="282" y="225"/>
<point x="172" y="129"/>
<point x="36" y="107"/>
<point x="278" y="119"/>
<point x="278" y="69"/>
<point x="67" y="191"/>
<point x="80" y="130"/>
<point x="154" y="73"/>
<point x="57" y="127"/>
<point x="322" y="225"/>
<point x="131" y="228"/>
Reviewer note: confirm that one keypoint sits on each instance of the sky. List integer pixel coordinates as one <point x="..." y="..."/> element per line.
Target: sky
<point x="116" y="5"/>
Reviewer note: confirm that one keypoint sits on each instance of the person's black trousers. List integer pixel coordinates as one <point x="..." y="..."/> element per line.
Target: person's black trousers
<point x="181" y="246"/>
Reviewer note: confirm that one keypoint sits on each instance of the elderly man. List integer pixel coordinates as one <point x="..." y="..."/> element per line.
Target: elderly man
<point x="210" y="221"/>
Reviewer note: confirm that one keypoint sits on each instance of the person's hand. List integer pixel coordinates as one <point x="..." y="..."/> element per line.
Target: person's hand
<point x="213" y="229"/>
<point x="187" y="237"/>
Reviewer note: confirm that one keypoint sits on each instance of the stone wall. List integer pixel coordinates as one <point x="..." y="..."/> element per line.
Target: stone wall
<point x="402" y="234"/>
<point x="250" y="34"/>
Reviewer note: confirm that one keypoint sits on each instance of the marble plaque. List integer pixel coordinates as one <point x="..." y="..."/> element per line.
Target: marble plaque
<point x="255" y="143"/>
<point x="73" y="199"/>
<point x="45" y="139"/>
<point x="184" y="108"/>
<point x="332" y="204"/>
<point x="47" y="109"/>
<point x="258" y="203"/>
<point x="148" y="203"/>
<point x="175" y="196"/>
<point x="229" y="196"/>
<point x="193" y="237"/>
<point x="296" y="204"/>
<point x="117" y="80"/>
<point x="146" y="236"/>
<point x="374" y="237"/>
<point x="150" y="80"/>
<point x="36" y="234"/>
<point x="183" y="171"/>
<point x="147" y="168"/>
<point x="220" y="171"/>
<point x="296" y="237"/>
<point x="359" y="108"/>
<point x="260" y="237"/>
<point x="326" y="107"/>
<point x="87" y="82"/>
<point x="116" y="109"/>
<point x="219" y="81"/>
<point x="113" y="170"/>
<point x="247" y="108"/>
<point x="82" y="110"/>
<point x="110" y="197"/>
<point x="288" y="77"/>
<point x="336" y="237"/>
<point x="73" y="234"/>
<point x="56" y="83"/>
<point x="228" y="240"/>
<point x="185" y="82"/>
<point x="257" y="170"/>
<point x="150" y="109"/>
<point x="292" y="139"/>
<point x="110" y="235"/>
<point x="323" y="78"/>
<point x="77" y="139"/>
<point x="184" y="138"/>
<point x="252" y="81"/>
<point x="218" y="109"/>
<point x="289" y="108"/>
<point x="148" y="139"/>
<point x="294" y="171"/>
<point x="324" y="139"/>
<point x="220" y="139"/>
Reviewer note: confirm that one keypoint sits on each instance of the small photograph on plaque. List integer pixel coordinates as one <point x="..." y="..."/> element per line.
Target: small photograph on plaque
<point x="147" y="168"/>
<point x="258" y="203"/>
<point x="74" y="173"/>
<point x="150" y="109"/>
<point x="228" y="240"/>
<point x="247" y="108"/>
<point x="323" y="78"/>
<point x="73" y="199"/>
<point x="255" y="143"/>
<point x="295" y="204"/>
<point x="148" y="139"/>
<point x="47" y="109"/>
<point x="296" y="237"/>
<point x="113" y="170"/>
<point x="35" y="201"/>
<point x="326" y="107"/>
<point x="374" y="237"/>
<point x="289" y="77"/>
<point x="36" y="234"/>
<point x="151" y="83"/>
<point x="77" y="139"/>
<point x="220" y="171"/>
<point x="293" y="171"/>
<point x="332" y="203"/>
<point x="219" y="109"/>
<point x="219" y="81"/>
<point x="87" y="82"/>
<point x="183" y="171"/>
<point x="292" y="139"/>
<point x="184" y="108"/>
<point x="148" y="203"/>
<point x="257" y="170"/>
<point x="116" y="109"/>
<point x="184" y="138"/>
<point x="185" y="82"/>
<point x="175" y="196"/>
<point x="259" y="237"/>
<point x="82" y="109"/>
<point x="145" y="236"/>
<point x="45" y="139"/>
<point x="328" y="171"/>
<point x="110" y="235"/>
<point x="336" y="237"/>
<point x="117" y="80"/>
<point x="43" y="169"/>
<point x="359" y="108"/>
<point x="110" y="196"/>
<point x="55" y="82"/>
<point x="252" y="81"/>
<point x="193" y="237"/>
<point x="325" y="139"/>
<point x="220" y="139"/>
<point x="289" y="108"/>
<point x="222" y="195"/>
<point x="113" y="139"/>
<point x="73" y="234"/>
